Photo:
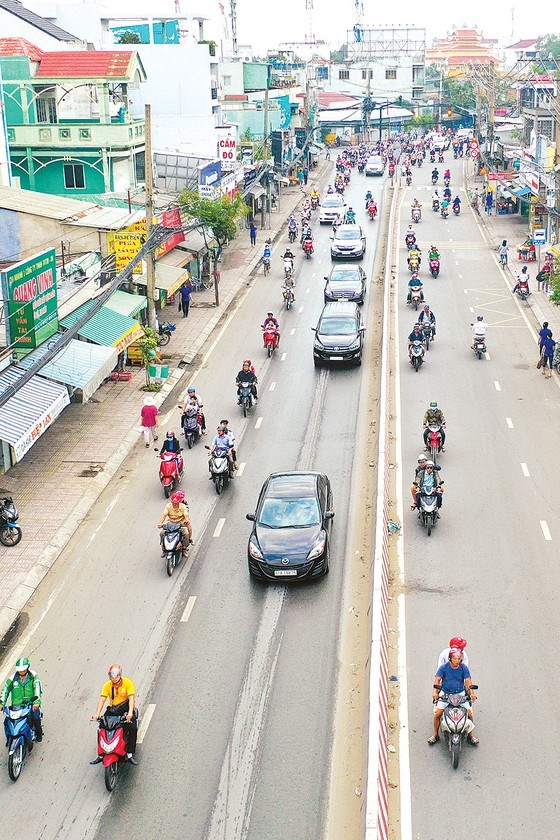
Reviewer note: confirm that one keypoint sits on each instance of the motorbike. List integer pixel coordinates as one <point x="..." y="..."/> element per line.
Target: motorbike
<point x="416" y="297"/>
<point x="428" y="331"/>
<point x="111" y="746"/>
<point x="444" y="212"/>
<point x="435" y="205"/>
<point x="446" y="182"/>
<point x="455" y="154"/>
<point x="479" y="345"/>
<point x="413" y="264"/>
<point x="172" y="545"/>
<point x="245" y="400"/>
<point x="288" y="267"/>
<point x="408" y="180"/>
<point x="416" y="214"/>
<point x="434" y="441"/>
<point x="417" y="355"/>
<point x="434" y="267"/>
<point x="164" y="333"/>
<point x="307" y="247"/>
<point x="434" y="179"/>
<point x="456" y="209"/>
<point x="288" y="295"/>
<point x="372" y="212"/>
<point x="432" y="157"/>
<point x="410" y="240"/>
<point x="314" y="202"/>
<point x="455" y="723"/>
<point x="191" y="427"/>
<point x="523" y="294"/>
<point x="170" y="471"/>
<point x="420" y="161"/>
<point x="10" y="531"/>
<point x="340" y="189"/>
<point x="428" y="512"/>
<point x="220" y="469"/>
<point x="292" y="233"/>
<point x="20" y="736"/>
<point x="269" y="336"/>
<point x="440" y="158"/>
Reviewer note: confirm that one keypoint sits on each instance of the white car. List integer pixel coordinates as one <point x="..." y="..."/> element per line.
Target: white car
<point x="349" y="242"/>
<point x="332" y="205"/>
<point x="375" y="166"/>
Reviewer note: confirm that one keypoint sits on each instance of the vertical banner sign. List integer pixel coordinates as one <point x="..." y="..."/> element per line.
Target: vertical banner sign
<point x="30" y="298"/>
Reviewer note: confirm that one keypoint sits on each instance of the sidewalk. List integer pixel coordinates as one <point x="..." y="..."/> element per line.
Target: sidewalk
<point x="65" y="472"/>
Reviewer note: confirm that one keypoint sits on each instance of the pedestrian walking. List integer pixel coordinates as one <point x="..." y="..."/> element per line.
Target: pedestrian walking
<point x="185" y="298"/>
<point x="253" y="233"/>
<point x="328" y="154"/>
<point x="503" y="253"/>
<point x="547" y="356"/>
<point x="149" y="417"/>
<point x="300" y="177"/>
<point x="489" y="202"/>
<point x="544" y="333"/>
<point x="305" y="175"/>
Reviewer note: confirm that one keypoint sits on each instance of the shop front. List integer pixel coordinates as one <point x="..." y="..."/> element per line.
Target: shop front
<point x="106" y="327"/>
<point x="198" y="250"/>
<point x="168" y="280"/>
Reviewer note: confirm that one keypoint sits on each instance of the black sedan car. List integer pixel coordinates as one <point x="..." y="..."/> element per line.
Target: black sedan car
<point x="346" y="282"/>
<point x="291" y="535"/>
<point x="339" y="335"/>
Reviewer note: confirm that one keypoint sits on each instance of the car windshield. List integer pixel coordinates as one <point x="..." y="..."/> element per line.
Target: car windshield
<point x="347" y="234"/>
<point x="332" y="202"/>
<point x="338" y="325"/>
<point x="341" y="276"/>
<point x="290" y="513"/>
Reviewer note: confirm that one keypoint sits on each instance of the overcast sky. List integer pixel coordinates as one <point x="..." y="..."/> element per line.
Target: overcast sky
<point x="264" y="24"/>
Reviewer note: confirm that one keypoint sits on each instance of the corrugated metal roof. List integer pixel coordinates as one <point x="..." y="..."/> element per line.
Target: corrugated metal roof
<point x="126" y="304"/>
<point x="79" y="364"/>
<point x="32" y="409"/>
<point x="106" y="218"/>
<point x="41" y="23"/>
<point x="168" y="278"/>
<point x="70" y="210"/>
<point x="20" y="46"/>
<point x="87" y="64"/>
<point x="105" y="327"/>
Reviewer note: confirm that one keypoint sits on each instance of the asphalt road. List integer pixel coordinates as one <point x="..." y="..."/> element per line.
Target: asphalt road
<point x="240" y="677"/>
<point x="489" y="572"/>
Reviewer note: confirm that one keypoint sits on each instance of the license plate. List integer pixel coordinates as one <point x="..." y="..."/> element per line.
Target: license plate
<point x="335" y="358"/>
<point x="285" y="573"/>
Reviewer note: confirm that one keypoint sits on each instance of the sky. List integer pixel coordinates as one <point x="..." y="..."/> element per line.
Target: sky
<point x="263" y="24"/>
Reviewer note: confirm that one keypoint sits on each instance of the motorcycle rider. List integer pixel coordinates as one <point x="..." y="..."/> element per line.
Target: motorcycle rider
<point x="23" y="685"/>
<point x="445" y="207"/>
<point x="456" y="202"/>
<point x="447" y="194"/>
<point x="447" y="174"/>
<point x="171" y="444"/>
<point x="455" y="642"/>
<point x="434" y="417"/>
<point x="307" y="240"/>
<point x="246" y="374"/>
<point x="414" y="283"/>
<point x="425" y="481"/>
<point x="409" y="232"/>
<point x="191" y="392"/>
<point x="271" y="323"/>
<point x="428" y="317"/>
<point x="330" y="189"/>
<point x="223" y="445"/>
<point x="414" y="254"/>
<point x="435" y="197"/>
<point x="350" y="217"/>
<point x="122" y="693"/>
<point x="435" y="174"/>
<point x="177" y="511"/>
<point x="433" y="253"/>
<point x="371" y="206"/>
<point x="232" y="438"/>
<point x="267" y="253"/>
<point x="522" y="284"/>
<point x="415" y="335"/>
<point x="369" y="196"/>
<point x="452" y="678"/>
<point x="422" y="461"/>
<point x="479" y="329"/>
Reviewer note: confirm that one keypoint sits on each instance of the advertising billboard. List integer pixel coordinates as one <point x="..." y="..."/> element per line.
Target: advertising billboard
<point x="30" y="300"/>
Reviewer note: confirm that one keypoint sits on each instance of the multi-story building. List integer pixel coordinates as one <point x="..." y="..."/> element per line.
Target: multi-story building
<point x="18" y="21"/>
<point x="537" y="106"/>
<point x="69" y="126"/>
<point x="462" y="48"/>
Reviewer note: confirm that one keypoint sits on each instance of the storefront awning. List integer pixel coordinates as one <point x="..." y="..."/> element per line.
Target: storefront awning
<point x="168" y="278"/>
<point x="31" y="410"/>
<point x="521" y="191"/>
<point x="195" y="242"/>
<point x="256" y="191"/>
<point x="126" y="303"/>
<point x="80" y="365"/>
<point x="106" y="327"/>
<point x="314" y="149"/>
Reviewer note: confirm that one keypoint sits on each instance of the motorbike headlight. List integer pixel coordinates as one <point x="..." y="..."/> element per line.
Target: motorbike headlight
<point x="254" y="550"/>
<point x="318" y="548"/>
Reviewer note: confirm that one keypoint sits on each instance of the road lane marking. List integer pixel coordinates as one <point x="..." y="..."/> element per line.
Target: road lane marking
<point x="307" y="291"/>
<point x="497" y="386"/>
<point x="283" y="357"/>
<point x="456" y="262"/>
<point x="241" y="469"/>
<point x="258" y="422"/>
<point x="509" y="422"/>
<point x="466" y="291"/>
<point x="525" y="470"/>
<point x="545" y="530"/>
<point x="471" y="308"/>
<point x="145" y="722"/>
<point x="218" y="528"/>
<point x="188" y="609"/>
<point x="272" y="386"/>
<point x="292" y="331"/>
<point x="460" y="276"/>
<point x="314" y="274"/>
<point x="487" y="355"/>
<point x="300" y="310"/>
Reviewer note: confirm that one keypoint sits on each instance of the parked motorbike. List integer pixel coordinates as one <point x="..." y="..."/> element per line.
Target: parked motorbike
<point x="170" y="472"/>
<point x="307" y="247"/>
<point x="428" y="513"/>
<point x="456" y="209"/>
<point x="20" y="736"/>
<point x="455" y="723"/>
<point x="416" y="214"/>
<point x="417" y="355"/>
<point x="220" y="470"/>
<point x="269" y="336"/>
<point x="111" y="746"/>
<point x="434" y="267"/>
<point x="288" y="295"/>
<point x="434" y="440"/>
<point x="190" y="422"/>
<point x="164" y="333"/>
<point x="10" y="531"/>
<point x="435" y="205"/>
<point x="246" y="400"/>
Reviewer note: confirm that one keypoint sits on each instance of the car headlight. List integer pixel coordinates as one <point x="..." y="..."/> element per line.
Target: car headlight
<point x="318" y="343"/>
<point x="318" y="548"/>
<point x="255" y="551"/>
<point x="355" y="344"/>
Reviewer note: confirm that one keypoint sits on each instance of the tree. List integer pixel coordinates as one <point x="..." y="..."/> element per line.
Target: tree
<point x="421" y="121"/>
<point x="129" y="38"/>
<point x="218" y="215"/>
<point x="341" y="54"/>
<point x="548" y="45"/>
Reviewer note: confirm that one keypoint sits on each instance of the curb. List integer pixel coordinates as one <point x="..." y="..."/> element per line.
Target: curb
<point x="10" y="612"/>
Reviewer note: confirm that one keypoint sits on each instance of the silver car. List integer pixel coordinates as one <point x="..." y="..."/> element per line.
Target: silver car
<point x="375" y="166"/>
<point x="348" y="243"/>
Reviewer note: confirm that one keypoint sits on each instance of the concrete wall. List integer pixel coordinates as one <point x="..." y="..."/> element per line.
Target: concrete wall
<point x="379" y="85"/>
<point x="23" y="234"/>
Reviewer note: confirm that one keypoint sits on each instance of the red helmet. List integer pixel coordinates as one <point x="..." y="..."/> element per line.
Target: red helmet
<point x="177" y="497"/>
<point x="455" y="651"/>
<point x="457" y="642"/>
<point x="247" y="362"/>
<point x="115" y="670"/>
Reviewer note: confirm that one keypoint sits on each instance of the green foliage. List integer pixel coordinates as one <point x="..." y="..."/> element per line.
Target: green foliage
<point x="148" y="344"/>
<point x="216" y="214"/>
<point x="422" y="121"/>
<point x="129" y="38"/>
<point x="458" y="93"/>
<point x="432" y="71"/>
<point x="247" y="136"/>
<point x="548" y="45"/>
<point x="554" y="283"/>
<point x="341" y="54"/>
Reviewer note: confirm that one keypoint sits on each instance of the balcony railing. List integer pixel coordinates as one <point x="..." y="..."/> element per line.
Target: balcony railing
<point x="89" y="135"/>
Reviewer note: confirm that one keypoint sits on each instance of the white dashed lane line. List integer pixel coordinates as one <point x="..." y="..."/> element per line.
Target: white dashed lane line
<point x="545" y="530"/>
<point x="307" y="291"/>
<point x="258" y="422"/>
<point x="525" y="470"/>
<point x="283" y="357"/>
<point x="272" y="386"/>
<point x="241" y="469"/>
<point x="509" y="422"/>
<point x="188" y="609"/>
<point x="218" y="528"/>
<point x="300" y="310"/>
<point x="145" y="722"/>
<point x="497" y="386"/>
<point x="487" y="356"/>
<point x="292" y="331"/>
<point x="471" y="309"/>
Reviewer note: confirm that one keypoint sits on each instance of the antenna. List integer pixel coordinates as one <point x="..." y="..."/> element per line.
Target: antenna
<point x="310" y="37"/>
<point x="512" y="23"/>
<point x="233" y="12"/>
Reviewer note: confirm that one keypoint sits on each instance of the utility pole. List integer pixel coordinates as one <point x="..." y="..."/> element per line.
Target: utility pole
<point x="491" y="107"/>
<point x="557" y="155"/>
<point x="266" y="208"/>
<point x="150" y="256"/>
<point x="440" y="93"/>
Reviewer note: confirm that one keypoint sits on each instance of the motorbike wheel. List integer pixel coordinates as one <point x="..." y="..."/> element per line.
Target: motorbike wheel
<point x="454" y="749"/>
<point x="169" y="565"/>
<point x="164" y="339"/>
<point x="416" y="363"/>
<point x="479" y="354"/>
<point x="415" y="305"/>
<point x="244" y="408"/>
<point x="167" y="491"/>
<point x="190" y="441"/>
<point x="288" y="304"/>
<point x="10" y="536"/>
<point x="219" y="484"/>
<point x="111" y="773"/>
<point x="15" y="763"/>
<point x="429" y="526"/>
<point x="270" y="350"/>
<point x="427" y="343"/>
<point x="434" y="453"/>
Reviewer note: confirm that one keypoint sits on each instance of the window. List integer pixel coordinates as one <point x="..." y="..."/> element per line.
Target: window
<point x="74" y="178"/>
<point x="85" y="134"/>
<point x="46" y="109"/>
<point x="140" y="167"/>
<point x="64" y="134"/>
<point x="344" y="74"/>
<point x="365" y="74"/>
<point x="226" y="80"/>
<point x="391" y="73"/>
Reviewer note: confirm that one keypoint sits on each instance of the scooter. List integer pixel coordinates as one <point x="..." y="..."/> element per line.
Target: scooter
<point x="288" y="267"/>
<point x="428" y="331"/>
<point x="434" y="179"/>
<point x="20" y="736"/>
<point x="428" y="513"/>
<point x="479" y="345"/>
<point x="408" y="180"/>
<point x="191" y="427"/>
<point x="292" y="233"/>
<point x="416" y="297"/>
<point x="170" y="471"/>
<point x="456" y="209"/>
<point x="220" y="470"/>
<point x="307" y="246"/>
<point x="172" y="545"/>
<point x="410" y="240"/>
<point x="416" y="215"/>
<point x="111" y="746"/>
<point x="435" y="205"/>
<point x="417" y="355"/>
<point x="434" y="267"/>
<point x="288" y="294"/>
<point x="164" y="333"/>
<point x="270" y="338"/>
<point x="434" y="441"/>
<point x="440" y="158"/>
<point x="372" y="212"/>
<point x="314" y="202"/>
<point x="444" y="212"/>
<point x="413" y="264"/>
<point x="10" y="531"/>
<point x="245" y="400"/>
<point x="455" y="722"/>
<point x="446" y="182"/>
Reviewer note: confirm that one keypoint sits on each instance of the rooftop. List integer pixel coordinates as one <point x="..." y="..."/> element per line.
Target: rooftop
<point x="20" y="46"/>
<point x="70" y="210"/>
<point x="18" y="9"/>
<point x="523" y="45"/>
<point x="87" y="64"/>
